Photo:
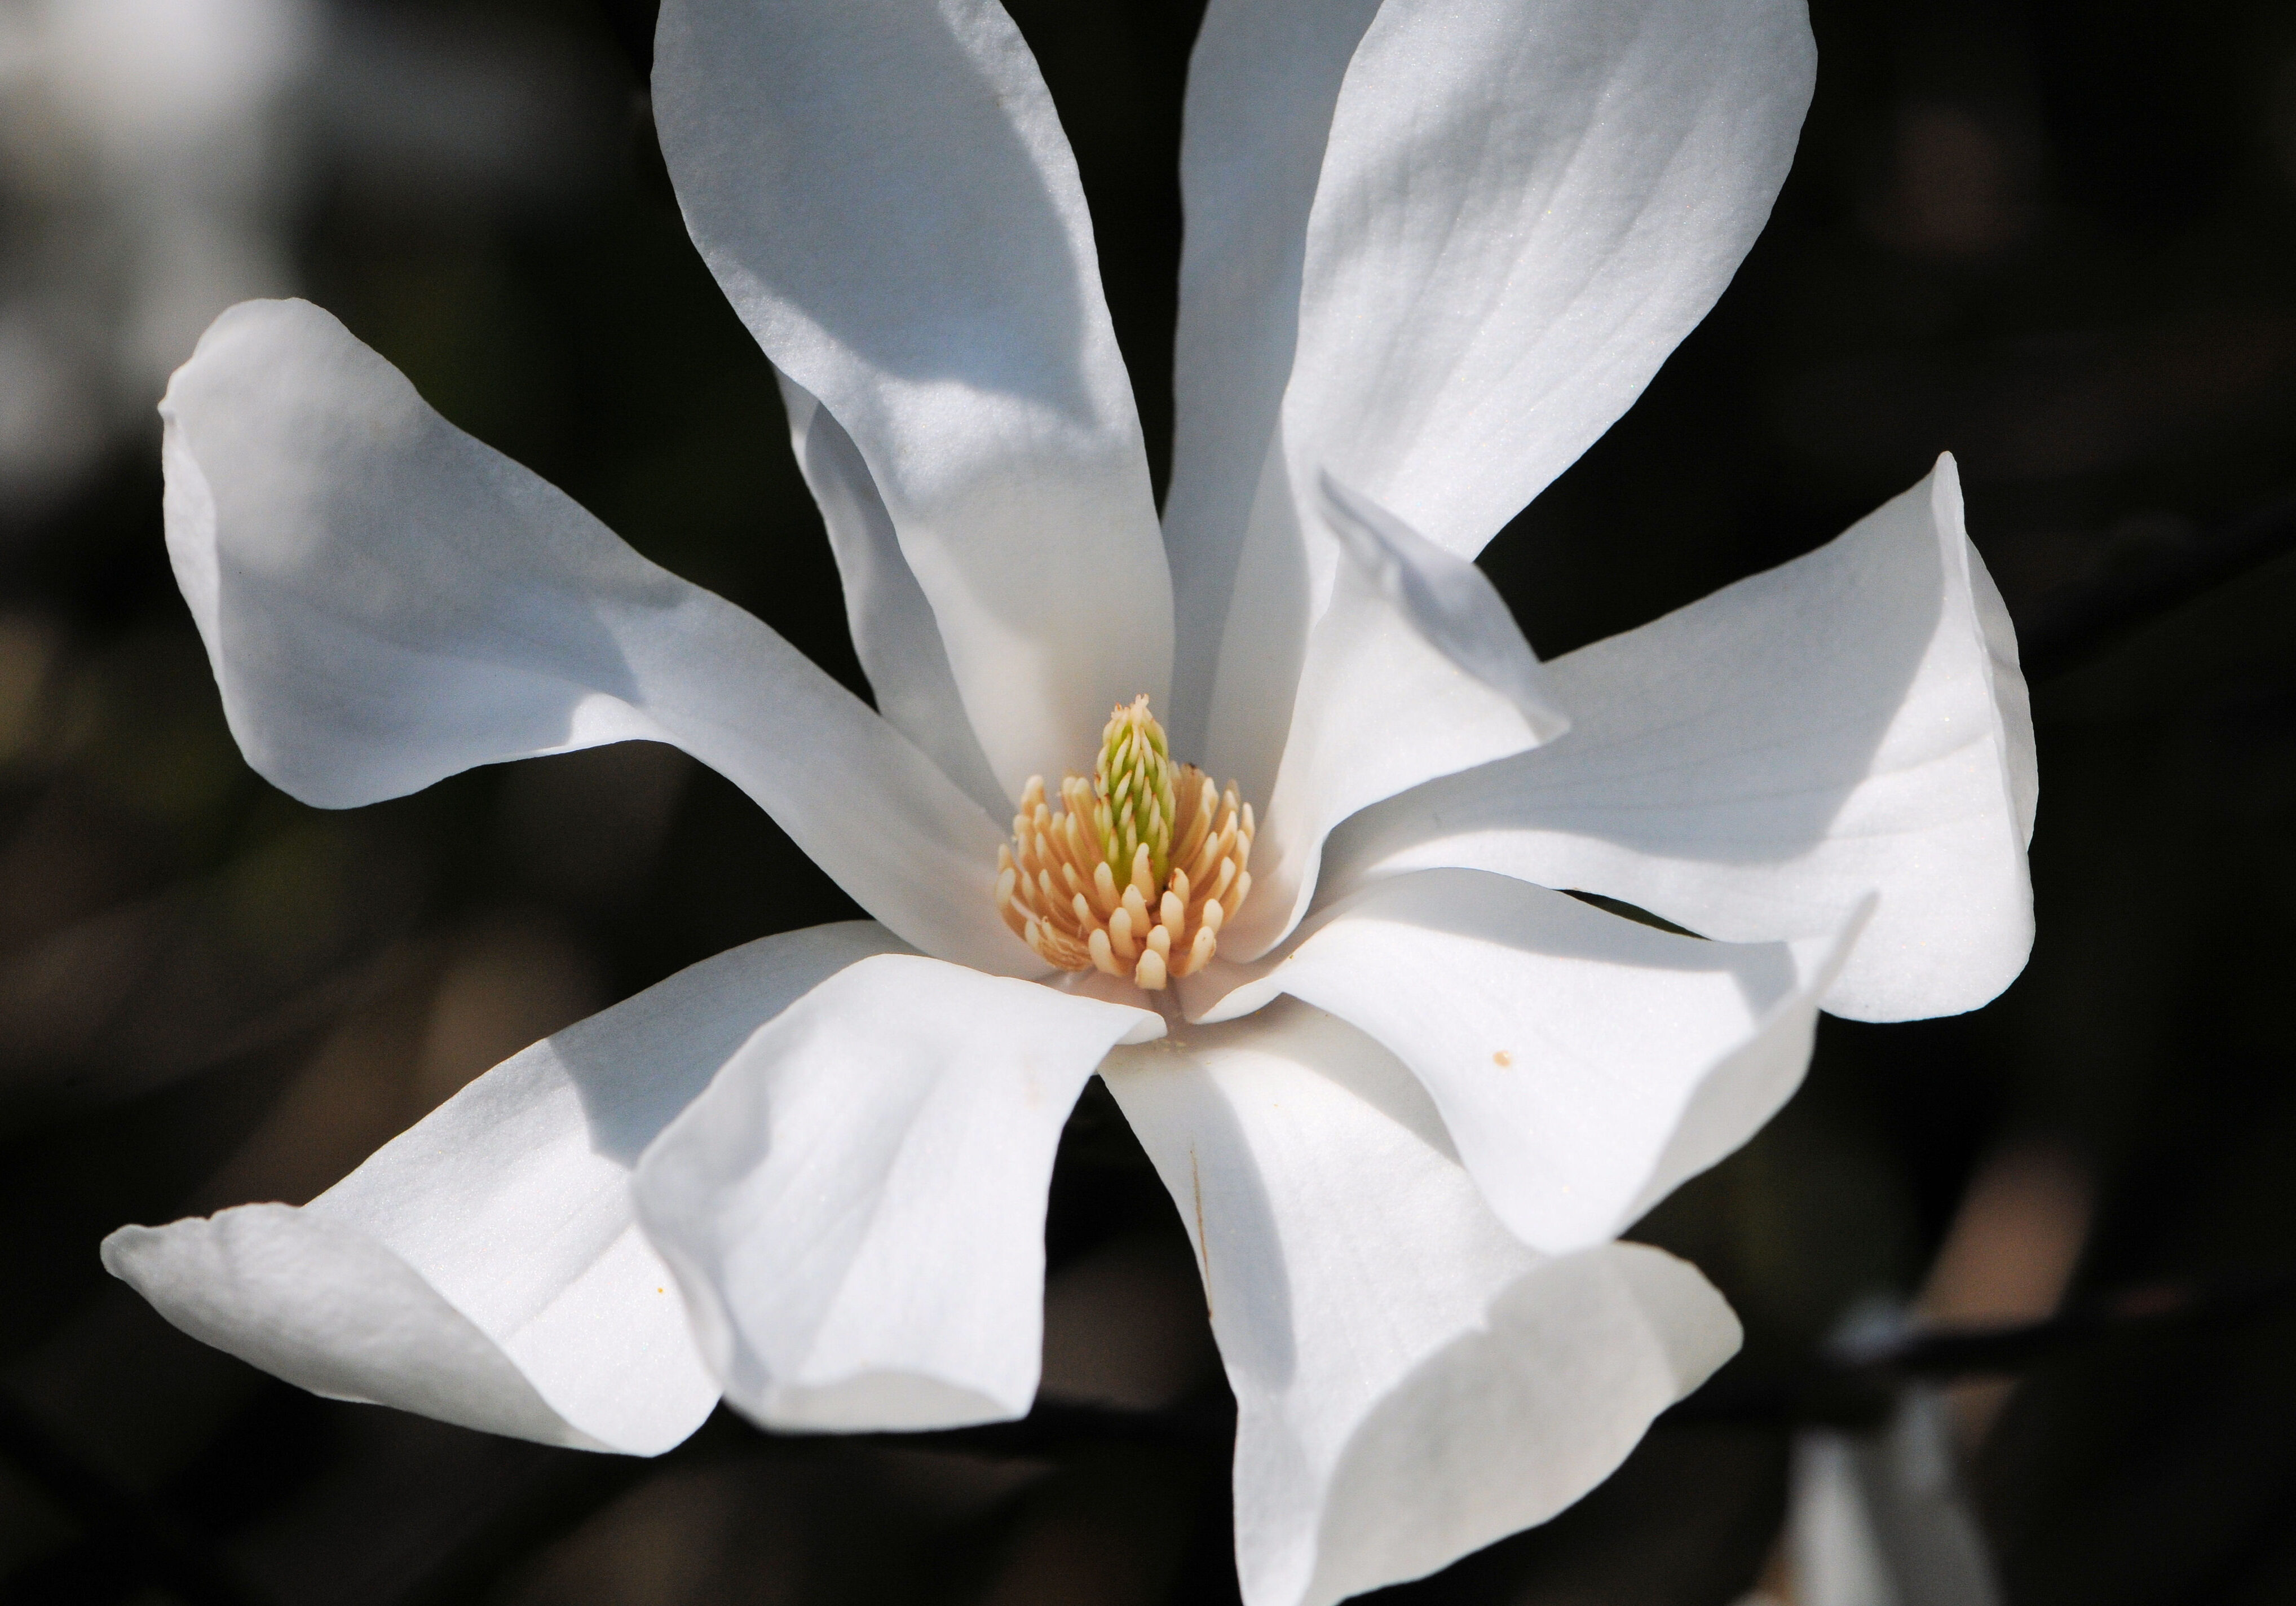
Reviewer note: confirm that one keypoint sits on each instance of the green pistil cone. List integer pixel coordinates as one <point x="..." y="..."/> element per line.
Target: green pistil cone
<point x="1134" y="778"/>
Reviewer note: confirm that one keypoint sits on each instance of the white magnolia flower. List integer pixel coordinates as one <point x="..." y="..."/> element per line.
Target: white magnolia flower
<point x="1881" y="1519"/>
<point x="1408" y="1104"/>
<point x="144" y="152"/>
<point x="1885" y="1521"/>
<point x="155" y="154"/>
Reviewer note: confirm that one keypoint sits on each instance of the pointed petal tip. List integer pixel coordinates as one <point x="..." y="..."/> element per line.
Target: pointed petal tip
<point x="322" y="521"/>
<point x="955" y="326"/>
<point x="1447" y="599"/>
<point x="327" y="1308"/>
<point x="1749" y="766"/>
<point x="485" y="1267"/>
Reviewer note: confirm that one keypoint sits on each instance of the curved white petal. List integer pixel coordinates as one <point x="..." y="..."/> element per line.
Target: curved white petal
<point x="1521" y="206"/>
<point x="329" y="1309"/>
<point x="486" y="1268"/>
<point x="1584" y="1064"/>
<point x="1884" y="1516"/>
<point x="1411" y="1382"/>
<point x="855" y="1207"/>
<point x="386" y="602"/>
<point x="1416" y="670"/>
<point x="1524" y="208"/>
<point x="894" y="632"/>
<point x="1446" y="599"/>
<point x="1752" y="766"/>
<point x="1262" y="81"/>
<point x="882" y="189"/>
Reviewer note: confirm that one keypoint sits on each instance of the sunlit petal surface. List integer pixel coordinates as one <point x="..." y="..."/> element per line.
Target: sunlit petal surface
<point x="855" y="1207"/>
<point x="1412" y="1382"/>
<point x="883" y="190"/>
<point x="1751" y="765"/>
<point x="386" y="602"/>
<point x="1519" y="210"/>
<point x="1414" y="1092"/>
<point x="1416" y="670"/>
<point x="1584" y="1063"/>
<point x="486" y="1267"/>
<point x="894" y="632"/>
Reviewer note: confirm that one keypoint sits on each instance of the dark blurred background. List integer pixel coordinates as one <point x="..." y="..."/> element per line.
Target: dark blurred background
<point x="2058" y="239"/>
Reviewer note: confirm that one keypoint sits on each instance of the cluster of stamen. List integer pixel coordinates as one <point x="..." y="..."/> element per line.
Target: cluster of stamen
<point x="1137" y="869"/>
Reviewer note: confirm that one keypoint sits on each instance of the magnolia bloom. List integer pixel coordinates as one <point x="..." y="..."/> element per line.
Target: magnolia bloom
<point x="145" y="151"/>
<point x="1883" y="1516"/>
<point x="155" y="154"/>
<point x="1407" y="1095"/>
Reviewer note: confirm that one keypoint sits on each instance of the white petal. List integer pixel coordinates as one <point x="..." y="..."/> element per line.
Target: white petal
<point x="331" y="1310"/>
<point x="1751" y="765"/>
<point x="855" y="1207"/>
<point x="1446" y="599"/>
<point x="1411" y="1382"/>
<point x="1523" y="209"/>
<point x="894" y="633"/>
<point x="386" y="602"/>
<point x="1262" y="81"/>
<point x="1584" y="1064"/>
<point x="883" y="190"/>
<point x="485" y="1267"/>
<point x="1883" y="1517"/>
<point x="1520" y="210"/>
<point x="1416" y="670"/>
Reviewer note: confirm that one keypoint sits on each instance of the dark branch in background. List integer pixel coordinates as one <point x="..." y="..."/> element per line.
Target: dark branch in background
<point x="1961" y="1352"/>
<point x="1848" y="1385"/>
<point x="2066" y="628"/>
<point x="1852" y="1384"/>
<point x="1845" y="1387"/>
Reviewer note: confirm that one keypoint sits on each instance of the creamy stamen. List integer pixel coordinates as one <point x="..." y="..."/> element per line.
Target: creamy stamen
<point x="1137" y="871"/>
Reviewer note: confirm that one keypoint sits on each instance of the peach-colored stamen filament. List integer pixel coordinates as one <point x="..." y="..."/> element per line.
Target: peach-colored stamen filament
<point x="1080" y="884"/>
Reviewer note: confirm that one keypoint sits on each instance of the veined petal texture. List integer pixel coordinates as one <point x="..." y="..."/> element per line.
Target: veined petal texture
<point x="1751" y="765"/>
<point x="486" y="1267"/>
<point x="894" y="633"/>
<point x="1584" y="1064"/>
<point x="1412" y="1382"/>
<point x="1262" y="81"/>
<point x="1416" y="669"/>
<point x="855" y="1207"/>
<point x="1520" y="207"/>
<point x="1525" y="205"/>
<point x="884" y="193"/>
<point x="386" y="602"/>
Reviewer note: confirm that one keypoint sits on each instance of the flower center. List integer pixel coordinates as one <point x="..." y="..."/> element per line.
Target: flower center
<point x="1139" y="869"/>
